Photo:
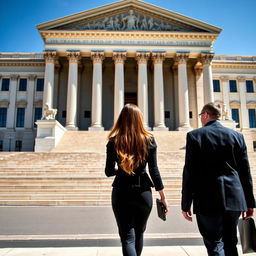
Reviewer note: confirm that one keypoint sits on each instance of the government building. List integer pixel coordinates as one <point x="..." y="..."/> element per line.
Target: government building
<point x="129" y="51"/>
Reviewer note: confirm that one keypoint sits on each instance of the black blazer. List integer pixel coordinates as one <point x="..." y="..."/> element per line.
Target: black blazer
<point x="216" y="175"/>
<point x="141" y="178"/>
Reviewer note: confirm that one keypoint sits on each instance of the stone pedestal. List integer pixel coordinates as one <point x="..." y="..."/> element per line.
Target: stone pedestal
<point x="229" y="123"/>
<point x="49" y="134"/>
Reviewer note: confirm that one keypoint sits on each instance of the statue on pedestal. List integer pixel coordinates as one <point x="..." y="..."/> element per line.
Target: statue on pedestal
<point x="49" y="113"/>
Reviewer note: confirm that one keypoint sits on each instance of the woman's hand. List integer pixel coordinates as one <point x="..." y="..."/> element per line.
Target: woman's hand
<point x="163" y="200"/>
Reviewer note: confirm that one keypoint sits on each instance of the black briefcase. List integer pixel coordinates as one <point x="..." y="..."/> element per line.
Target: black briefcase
<point x="247" y="232"/>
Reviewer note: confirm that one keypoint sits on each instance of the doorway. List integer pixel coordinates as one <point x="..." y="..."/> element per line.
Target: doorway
<point x="130" y="97"/>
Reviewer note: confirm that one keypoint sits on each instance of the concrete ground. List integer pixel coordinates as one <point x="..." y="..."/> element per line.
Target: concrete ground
<point x="91" y="231"/>
<point x="108" y="251"/>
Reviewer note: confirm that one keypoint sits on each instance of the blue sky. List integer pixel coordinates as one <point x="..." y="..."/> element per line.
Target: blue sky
<point x="237" y="19"/>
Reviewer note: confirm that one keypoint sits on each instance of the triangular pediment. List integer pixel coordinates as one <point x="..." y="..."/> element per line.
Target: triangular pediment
<point x="129" y="15"/>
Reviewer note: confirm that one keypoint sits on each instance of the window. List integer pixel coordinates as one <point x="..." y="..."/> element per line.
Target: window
<point x="40" y="84"/>
<point x="38" y="115"/>
<point x="20" y="117"/>
<point x="5" y="84"/>
<point x="18" y="145"/>
<point x="232" y="86"/>
<point x="1" y="145"/>
<point x="235" y="116"/>
<point x="249" y="86"/>
<point x="252" y="117"/>
<point x="23" y="84"/>
<point x="3" y="115"/>
<point x="216" y="85"/>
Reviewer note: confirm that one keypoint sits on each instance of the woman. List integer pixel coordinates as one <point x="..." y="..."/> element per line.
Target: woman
<point x="131" y="146"/>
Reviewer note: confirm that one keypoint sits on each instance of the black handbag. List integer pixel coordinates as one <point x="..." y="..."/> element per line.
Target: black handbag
<point x="247" y="233"/>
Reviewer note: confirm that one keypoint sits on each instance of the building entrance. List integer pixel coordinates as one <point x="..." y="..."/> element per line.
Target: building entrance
<point x="130" y="97"/>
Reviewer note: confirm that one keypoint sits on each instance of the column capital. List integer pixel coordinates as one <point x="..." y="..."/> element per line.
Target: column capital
<point x="14" y="77"/>
<point x="50" y="57"/>
<point x="97" y="57"/>
<point x="142" y="57"/>
<point x="206" y="58"/>
<point x="158" y="57"/>
<point x="241" y="78"/>
<point x="32" y="77"/>
<point x="119" y="57"/>
<point x="181" y="58"/>
<point x="73" y="57"/>
<point x="224" y="78"/>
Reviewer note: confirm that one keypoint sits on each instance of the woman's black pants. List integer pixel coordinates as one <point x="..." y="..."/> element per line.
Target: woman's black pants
<point x="131" y="208"/>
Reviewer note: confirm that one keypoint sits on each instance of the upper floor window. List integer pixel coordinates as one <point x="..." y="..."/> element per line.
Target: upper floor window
<point x="235" y="116"/>
<point x="5" y="84"/>
<point x="38" y="115"/>
<point x="232" y="86"/>
<point x="252" y="117"/>
<point x="40" y="84"/>
<point x="20" y="117"/>
<point x="23" y="84"/>
<point x="216" y="85"/>
<point x="249" y="86"/>
<point x="3" y="117"/>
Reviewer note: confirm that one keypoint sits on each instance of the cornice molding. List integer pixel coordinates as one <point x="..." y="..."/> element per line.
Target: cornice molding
<point x="233" y="66"/>
<point x="35" y="64"/>
<point x="128" y="35"/>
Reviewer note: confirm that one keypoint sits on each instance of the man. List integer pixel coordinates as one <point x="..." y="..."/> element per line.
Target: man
<point x="216" y="177"/>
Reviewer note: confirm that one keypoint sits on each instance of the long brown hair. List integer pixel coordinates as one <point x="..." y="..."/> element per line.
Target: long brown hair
<point x="131" y="138"/>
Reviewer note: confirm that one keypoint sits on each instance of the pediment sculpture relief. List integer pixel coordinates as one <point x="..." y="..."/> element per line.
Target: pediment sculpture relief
<point x="127" y="22"/>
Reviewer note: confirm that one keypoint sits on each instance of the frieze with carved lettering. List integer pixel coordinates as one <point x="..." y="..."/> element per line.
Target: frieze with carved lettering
<point x="128" y="22"/>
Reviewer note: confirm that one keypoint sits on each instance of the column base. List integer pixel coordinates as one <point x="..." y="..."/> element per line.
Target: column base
<point x="71" y="128"/>
<point x="160" y="128"/>
<point x="96" y="128"/>
<point x="184" y="128"/>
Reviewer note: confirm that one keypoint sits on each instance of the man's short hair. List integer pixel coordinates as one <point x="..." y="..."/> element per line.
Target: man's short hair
<point x="212" y="110"/>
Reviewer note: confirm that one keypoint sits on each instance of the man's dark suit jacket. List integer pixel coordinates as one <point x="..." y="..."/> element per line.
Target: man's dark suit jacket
<point x="216" y="175"/>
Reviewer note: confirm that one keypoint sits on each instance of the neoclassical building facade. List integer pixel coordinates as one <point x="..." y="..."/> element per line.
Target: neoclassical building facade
<point x="126" y="52"/>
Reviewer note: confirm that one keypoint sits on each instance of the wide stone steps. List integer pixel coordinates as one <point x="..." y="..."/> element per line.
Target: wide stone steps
<point x="76" y="178"/>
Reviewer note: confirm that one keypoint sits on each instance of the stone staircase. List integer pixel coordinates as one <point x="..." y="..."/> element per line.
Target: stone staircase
<point x="71" y="178"/>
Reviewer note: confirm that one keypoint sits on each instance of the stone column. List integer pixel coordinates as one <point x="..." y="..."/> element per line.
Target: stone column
<point x="158" y="58"/>
<point x="119" y="58"/>
<point x="199" y="90"/>
<point x="97" y="58"/>
<point x="56" y="84"/>
<point x="71" y="120"/>
<point x="142" y="58"/>
<point x="50" y="57"/>
<point x="181" y="60"/>
<point x="29" y="118"/>
<point x="207" y="77"/>
<point x="244" y="120"/>
<point x="225" y="95"/>
<point x="10" y="122"/>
